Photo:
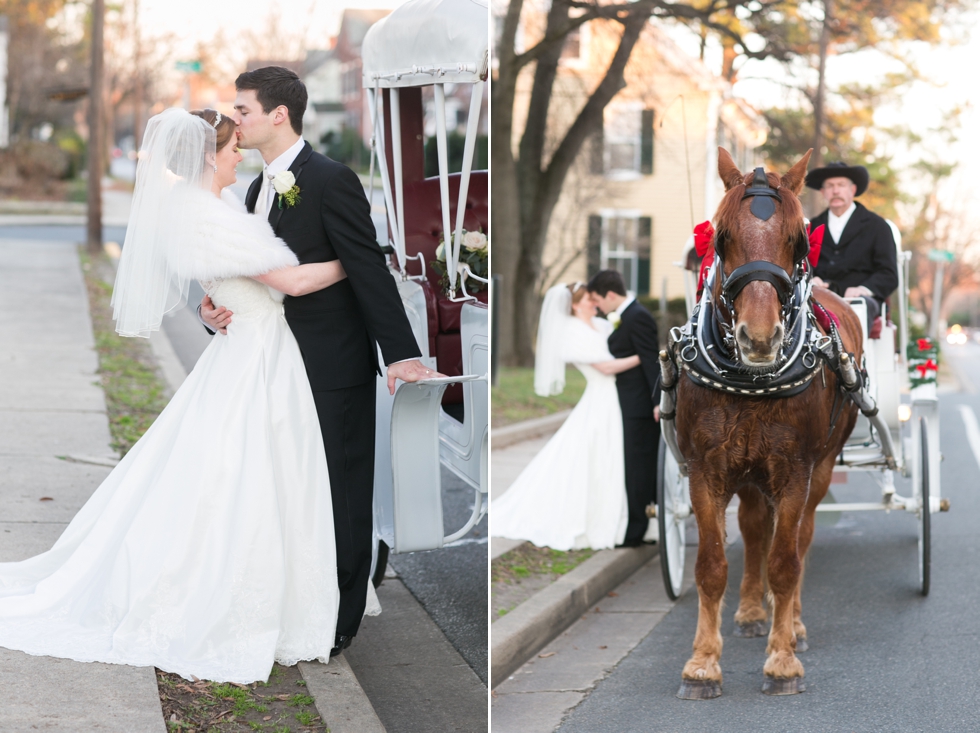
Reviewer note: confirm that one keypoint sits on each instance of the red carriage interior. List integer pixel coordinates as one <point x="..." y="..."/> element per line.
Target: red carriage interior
<point x="423" y="228"/>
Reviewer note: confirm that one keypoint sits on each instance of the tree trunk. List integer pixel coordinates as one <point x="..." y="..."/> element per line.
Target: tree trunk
<point x="539" y="189"/>
<point x="505" y="213"/>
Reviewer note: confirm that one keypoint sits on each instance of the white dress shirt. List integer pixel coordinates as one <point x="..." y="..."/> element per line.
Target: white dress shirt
<point x="267" y="193"/>
<point x="836" y="224"/>
<point x="625" y="304"/>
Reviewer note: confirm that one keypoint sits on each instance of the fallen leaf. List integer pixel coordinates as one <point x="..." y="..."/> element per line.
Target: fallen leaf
<point x="46" y="498"/>
<point x="244" y="687"/>
<point x="173" y="717"/>
<point x="267" y="717"/>
<point x="613" y="594"/>
<point x="603" y="647"/>
<point x="545" y="656"/>
<point x="196" y="679"/>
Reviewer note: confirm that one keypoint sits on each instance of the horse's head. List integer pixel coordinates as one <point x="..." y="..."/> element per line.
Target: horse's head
<point x="760" y="237"/>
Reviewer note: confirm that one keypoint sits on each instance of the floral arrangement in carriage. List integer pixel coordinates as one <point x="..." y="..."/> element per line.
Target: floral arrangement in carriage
<point x="474" y="258"/>
<point x="923" y="361"/>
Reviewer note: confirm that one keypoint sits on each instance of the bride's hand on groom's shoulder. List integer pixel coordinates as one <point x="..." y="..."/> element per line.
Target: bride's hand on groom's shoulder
<point x="412" y="370"/>
<point x="217" y="319"/>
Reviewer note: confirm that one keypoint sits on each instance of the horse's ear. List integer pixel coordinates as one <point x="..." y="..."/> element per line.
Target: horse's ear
<point x="795" y="176"/>
<point x="721" y="239"/>
<point x="728" y="171"/>
<point x="801" y="247"/>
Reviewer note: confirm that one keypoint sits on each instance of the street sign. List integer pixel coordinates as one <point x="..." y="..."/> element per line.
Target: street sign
<point x="940" y="255"/>
<point x="189" y="67"/>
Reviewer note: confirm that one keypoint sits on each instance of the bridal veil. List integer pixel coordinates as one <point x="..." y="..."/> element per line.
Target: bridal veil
<point x="175" y="167"/>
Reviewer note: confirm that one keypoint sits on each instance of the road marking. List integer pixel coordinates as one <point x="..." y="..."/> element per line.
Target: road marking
<point x="972" y="430"/>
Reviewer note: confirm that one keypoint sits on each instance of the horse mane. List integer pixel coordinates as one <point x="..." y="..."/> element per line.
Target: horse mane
<point x="729" y="213"/>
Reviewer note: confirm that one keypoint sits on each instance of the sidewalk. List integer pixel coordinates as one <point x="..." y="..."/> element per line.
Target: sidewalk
<point x="51" y="406"/>
<point x="536" y="622"/>
<point x="54" y="452"/>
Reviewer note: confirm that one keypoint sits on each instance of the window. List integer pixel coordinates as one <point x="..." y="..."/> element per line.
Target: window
<point x="627" y="141"/>
<point x="575" y="47"/>
<point x="620" y="240"/>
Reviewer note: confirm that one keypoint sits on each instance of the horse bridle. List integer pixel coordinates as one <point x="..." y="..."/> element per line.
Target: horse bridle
<point x="762" y="207"/>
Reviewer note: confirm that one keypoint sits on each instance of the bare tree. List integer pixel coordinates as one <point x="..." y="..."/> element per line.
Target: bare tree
<point x="527" y="181"/>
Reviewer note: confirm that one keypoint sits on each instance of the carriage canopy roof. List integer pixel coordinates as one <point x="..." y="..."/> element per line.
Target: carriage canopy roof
<point x="428" y="42"/>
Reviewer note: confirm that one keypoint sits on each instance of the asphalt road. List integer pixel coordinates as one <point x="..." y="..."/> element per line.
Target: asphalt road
<point x="451" y="583"/>
<point x="881" y="657"/>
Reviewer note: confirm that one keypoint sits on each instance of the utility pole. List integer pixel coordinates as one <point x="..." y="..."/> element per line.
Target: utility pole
<point x="818" y="104"/>
<point x="138" y="90"/>
<point x="96" y="131"/>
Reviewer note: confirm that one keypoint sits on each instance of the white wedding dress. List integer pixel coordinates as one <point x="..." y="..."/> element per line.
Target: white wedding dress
<point x="573" y="493"/>
<point x="209" y="550"/>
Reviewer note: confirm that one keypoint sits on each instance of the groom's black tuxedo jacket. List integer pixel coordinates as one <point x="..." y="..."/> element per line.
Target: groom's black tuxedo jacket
<point x="337" y="327"/>
<point x="637" y="334"/>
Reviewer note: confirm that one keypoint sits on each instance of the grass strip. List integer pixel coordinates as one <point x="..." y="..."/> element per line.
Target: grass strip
<point x="280" y="705"/>
<point x="513" y="399"/>
<point x="518" y="574"/>
<point x="134" y="390"/>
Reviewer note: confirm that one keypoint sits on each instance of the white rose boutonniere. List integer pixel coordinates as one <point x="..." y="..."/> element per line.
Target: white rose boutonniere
<point x="285" y="184"/>
<point x="475" y="241"/>
<point x="615" y="319"/>
<point x="441" y="252"/>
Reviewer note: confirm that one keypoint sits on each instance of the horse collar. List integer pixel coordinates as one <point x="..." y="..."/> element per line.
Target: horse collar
<point x="762" y="195"/>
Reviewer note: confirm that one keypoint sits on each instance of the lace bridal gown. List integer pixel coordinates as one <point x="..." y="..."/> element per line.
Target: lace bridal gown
<point x="573" y="493"/>
<point x="209" y="550"/>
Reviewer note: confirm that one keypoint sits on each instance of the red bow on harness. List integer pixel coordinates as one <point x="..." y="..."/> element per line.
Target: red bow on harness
<point x="704" y="235"/>
<point x="930" y="365"/>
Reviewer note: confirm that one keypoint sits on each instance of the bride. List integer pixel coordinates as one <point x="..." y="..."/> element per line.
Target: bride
<point x="209" y="550"/>
<point x="573" y="493"/>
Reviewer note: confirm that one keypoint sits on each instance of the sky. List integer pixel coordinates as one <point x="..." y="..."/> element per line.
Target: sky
<point x="951" y="69"/>
<point x="196" y="20"/>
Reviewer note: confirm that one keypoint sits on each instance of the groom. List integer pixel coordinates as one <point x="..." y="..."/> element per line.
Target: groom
<point x="337" y="327"/>
<point x="634" y="333"/>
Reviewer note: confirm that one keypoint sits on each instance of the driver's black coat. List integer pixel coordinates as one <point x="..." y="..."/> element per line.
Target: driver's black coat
<point x="865" y="255"/>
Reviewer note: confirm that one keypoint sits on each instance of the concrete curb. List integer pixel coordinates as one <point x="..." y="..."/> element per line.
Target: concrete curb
<point x="338" y="696"/>
<point x="518" y="432"/>
<point x="526" y="630"/>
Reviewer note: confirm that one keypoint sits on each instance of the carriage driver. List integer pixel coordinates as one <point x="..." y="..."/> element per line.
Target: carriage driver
<point x="858" y="256"/>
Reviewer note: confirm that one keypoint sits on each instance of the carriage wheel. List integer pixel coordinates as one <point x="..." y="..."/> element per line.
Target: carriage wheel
<point x="673" y="508"/>
<point x="925" y="534"/>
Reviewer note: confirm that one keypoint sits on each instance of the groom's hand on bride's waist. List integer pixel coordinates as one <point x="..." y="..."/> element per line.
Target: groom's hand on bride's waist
<point x="217" y="319"/>
<point x="411" y="370"/>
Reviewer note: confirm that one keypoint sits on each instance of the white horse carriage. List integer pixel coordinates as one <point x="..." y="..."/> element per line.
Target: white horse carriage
<point x="430" y="43"/>
<point x="903" y="436"/>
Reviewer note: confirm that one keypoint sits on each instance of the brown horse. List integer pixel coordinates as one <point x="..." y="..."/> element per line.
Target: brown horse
<point x="776" y="453"/>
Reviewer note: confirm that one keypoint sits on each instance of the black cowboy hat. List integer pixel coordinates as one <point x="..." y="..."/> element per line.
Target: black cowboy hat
<point x="837" y="169"/>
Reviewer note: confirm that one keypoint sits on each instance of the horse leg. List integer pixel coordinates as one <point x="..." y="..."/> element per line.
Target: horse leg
<point x="754" y="520"/>
<point x="784" y="672"/>
<point x="701" y="678"/>
<point x="819" y="484"/>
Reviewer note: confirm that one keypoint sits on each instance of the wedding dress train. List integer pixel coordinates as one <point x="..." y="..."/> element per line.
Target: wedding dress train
<point x="209" y="550"/>
<point x="573" y="493"/>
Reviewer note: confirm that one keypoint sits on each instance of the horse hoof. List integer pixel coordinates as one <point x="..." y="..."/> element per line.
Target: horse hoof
<point x="790" y="686"/>
<point x="801" y="645"/>
<point x="751" y="629"/>
<point x="699" y="689"/>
